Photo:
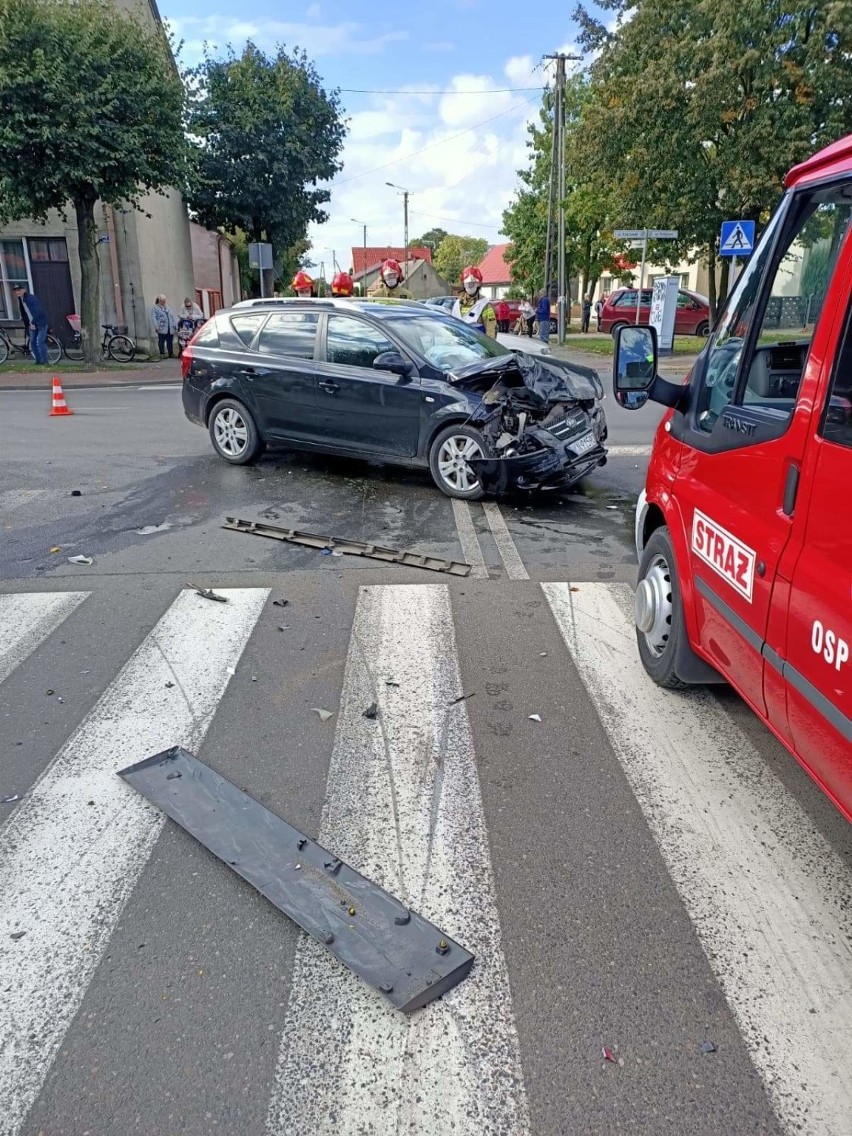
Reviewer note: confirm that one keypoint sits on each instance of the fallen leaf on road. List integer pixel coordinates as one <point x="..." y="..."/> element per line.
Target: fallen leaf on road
<point x="55" y="548"/>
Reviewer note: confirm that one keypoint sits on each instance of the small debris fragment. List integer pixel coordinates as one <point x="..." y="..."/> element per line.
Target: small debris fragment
<point x="55" y="548"/>
<point x="325" y="552"/>
<point x="608" y="1055"/>
<point x="208" y="593"/>
<point x="535" y="717"/>
<point x="573" y="589"/>
<point x="169" y="685"/>
<point x="146" y="530"/>
<point x="372" y="711"/>
<point x="334" y="552"/>
<point x="81" y="560"/>
<point x="461" y="698"/>
<point x="173" y="776"/>
<point x="542" y="654"/>
<point x="10" y="800"/>
<point x="49" y="692"/>
<point x="254" y="678"/>
<point x="280" y="603"/>
<point x="62" y="700"/>
<point x="614" y="508"/>
<point x="707" y="1047"/>
<point x="324" y="715"/>
<point x="390" y="682"/>
<point x="76" y="493"/>
<point x="17" y="935"/>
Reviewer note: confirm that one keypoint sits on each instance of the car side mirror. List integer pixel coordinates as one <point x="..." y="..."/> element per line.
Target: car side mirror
<point x="634" y="365"/>
<point x="393" y="361"/>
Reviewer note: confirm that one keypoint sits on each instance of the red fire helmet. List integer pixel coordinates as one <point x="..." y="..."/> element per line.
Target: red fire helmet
<point x="471" y="272"/>
<point x="391" y="265"/>
<point x="342" y="285"/>
<point x="302" y="282"/>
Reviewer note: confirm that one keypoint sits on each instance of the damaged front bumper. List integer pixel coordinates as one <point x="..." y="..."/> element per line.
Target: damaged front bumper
<point x="555" y="466"/>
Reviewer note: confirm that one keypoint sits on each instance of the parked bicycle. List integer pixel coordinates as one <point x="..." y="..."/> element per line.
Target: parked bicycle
<point x="9" y="347"/>
<point x="116" y="345"/>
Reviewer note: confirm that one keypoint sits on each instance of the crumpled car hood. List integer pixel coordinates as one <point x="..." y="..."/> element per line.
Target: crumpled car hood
<point x="550" y="380"/>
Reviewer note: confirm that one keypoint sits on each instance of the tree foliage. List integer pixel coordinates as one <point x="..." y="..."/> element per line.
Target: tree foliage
<point x="430" y="240"/>
<point x="455" y="253"/>
<point x="267" y="133"/>
<point x="92" y="110"/>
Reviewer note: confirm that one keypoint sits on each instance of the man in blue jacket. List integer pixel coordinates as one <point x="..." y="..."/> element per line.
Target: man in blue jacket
<point x="543" y="316"/>
<point x="35" y="321"/>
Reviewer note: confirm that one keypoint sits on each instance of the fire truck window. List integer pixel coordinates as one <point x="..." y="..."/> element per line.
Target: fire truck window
<point x="786" y="295"/>
<point x="837" y="416"/>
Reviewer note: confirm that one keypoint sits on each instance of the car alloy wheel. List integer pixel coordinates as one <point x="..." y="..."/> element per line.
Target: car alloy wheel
<point x="231" y="432"/>
<point x="453" y="457"/>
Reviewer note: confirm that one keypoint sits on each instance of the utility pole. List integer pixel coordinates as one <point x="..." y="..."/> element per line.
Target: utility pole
<point x="558" y="177"/>
<point x="364" y="277"/>
<point x="405" y="194"/>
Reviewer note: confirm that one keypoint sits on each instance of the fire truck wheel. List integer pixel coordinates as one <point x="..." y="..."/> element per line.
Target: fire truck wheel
<point x="660" y="630"/>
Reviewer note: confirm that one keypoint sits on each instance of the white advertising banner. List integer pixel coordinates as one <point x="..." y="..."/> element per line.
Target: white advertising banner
<point x="664" y="310"/>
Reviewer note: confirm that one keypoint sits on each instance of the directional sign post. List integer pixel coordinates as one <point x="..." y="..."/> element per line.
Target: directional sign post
<point x="736" y="239"/>
<point x="641" y="237"/>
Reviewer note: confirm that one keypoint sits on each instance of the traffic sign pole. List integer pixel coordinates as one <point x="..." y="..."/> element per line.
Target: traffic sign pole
<point x="644" y="235"/>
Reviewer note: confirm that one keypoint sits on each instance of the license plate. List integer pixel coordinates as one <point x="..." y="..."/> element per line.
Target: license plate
<point x="584" y="444"/>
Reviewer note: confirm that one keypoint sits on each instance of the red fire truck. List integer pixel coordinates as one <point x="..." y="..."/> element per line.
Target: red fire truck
<point x="744" y="528"/>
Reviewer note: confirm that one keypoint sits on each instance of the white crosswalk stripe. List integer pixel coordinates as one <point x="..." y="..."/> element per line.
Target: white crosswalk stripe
<point x="763" y="888"/>
<point x="403" y="805"/>
<point x="770" y="923"/>
<point x="71" y="853"/>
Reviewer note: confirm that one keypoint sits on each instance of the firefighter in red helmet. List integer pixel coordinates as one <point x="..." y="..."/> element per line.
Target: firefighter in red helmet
<point x="471" y="307"/>
<point x="390" y="279"/>
<point x="303" y="285"/>
<point x="341" y="284"/>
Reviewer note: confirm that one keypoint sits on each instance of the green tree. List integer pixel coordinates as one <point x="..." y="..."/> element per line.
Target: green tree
<point x="92" y="110"/>
<point x="455" y="253"/>
<point x="267" y="132"/>
<point x="430" y="240"/>
<point x="731" y="93"/>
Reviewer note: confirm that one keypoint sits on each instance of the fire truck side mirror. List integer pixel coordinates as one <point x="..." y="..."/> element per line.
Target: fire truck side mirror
<point x="634" y="365"/>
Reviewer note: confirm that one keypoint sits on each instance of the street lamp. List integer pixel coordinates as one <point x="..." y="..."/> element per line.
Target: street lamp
<point x="355" y="221"/>
<point x="404" y="193"/>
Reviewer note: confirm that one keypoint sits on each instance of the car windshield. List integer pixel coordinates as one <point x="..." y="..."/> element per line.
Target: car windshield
<point x="444" y="343"/>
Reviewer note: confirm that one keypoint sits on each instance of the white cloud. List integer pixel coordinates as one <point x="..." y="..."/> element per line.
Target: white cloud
<point x="348" y="38"/>
<point x="459" y="178"/>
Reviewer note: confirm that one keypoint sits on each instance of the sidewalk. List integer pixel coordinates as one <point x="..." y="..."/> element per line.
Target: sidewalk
<point x="669" y="366"/>
<point x="132" y="375"/>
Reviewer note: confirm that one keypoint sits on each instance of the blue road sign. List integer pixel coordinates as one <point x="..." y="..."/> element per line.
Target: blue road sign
<point x="736" y="238"/>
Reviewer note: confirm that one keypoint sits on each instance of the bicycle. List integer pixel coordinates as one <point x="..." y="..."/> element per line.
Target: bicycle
<point x="115" y="344"/>
<point x="9" y="347"/>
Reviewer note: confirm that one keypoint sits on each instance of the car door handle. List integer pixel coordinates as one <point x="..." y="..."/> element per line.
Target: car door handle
<point x="329" y="387"/>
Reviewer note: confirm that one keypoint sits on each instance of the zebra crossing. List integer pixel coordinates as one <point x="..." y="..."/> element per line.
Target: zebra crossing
<point x="762" y="886"/>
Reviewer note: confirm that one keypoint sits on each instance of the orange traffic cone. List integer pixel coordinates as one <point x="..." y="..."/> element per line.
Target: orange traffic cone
<point x="60" y="406"/>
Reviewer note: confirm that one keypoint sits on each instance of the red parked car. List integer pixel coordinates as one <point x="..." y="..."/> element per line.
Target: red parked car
<point x="693" y="311"/>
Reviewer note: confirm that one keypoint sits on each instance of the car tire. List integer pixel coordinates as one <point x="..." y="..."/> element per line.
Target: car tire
<point x="613" y="331"/>
<point x="703" y="329"/>
<point x="660" y="628"/>
<point x="234" y="433"/>
<point x="450" y="447"/>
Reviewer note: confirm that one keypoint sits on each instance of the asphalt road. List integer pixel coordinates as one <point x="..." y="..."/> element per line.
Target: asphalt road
<point x="657" y="895"/>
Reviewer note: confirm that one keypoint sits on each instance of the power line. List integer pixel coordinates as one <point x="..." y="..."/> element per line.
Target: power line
<point x="434" y="145"/>
<point x="454" y="220"/>
<point x="489" y="91"/>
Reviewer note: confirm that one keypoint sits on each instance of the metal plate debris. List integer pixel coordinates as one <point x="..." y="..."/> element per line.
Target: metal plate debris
<point x="349" y="547"/>
<point x="405" y="957"/>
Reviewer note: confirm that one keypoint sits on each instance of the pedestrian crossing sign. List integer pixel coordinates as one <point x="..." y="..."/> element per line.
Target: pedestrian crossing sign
<point x="736" y="238"/>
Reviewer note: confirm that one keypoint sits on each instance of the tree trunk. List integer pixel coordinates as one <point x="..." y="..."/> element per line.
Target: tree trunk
<point x="711" y="282"/>
<point x="90" y="295"/>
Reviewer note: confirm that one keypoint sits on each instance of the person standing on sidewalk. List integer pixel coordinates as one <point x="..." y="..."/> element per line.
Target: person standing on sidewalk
<point x="35" y="321"/>
<point x="586" y="313"/>
<point x="528" y="316"/>
<point x="598" y="309"/>
<point x="542" y="313"/>
<point x="165" y="325"/>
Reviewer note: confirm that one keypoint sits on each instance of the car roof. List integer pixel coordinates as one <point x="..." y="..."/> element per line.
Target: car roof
<point x="376" y="306"/>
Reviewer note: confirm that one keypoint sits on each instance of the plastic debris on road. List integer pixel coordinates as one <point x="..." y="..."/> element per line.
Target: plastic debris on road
<point x="76" y="493"/>
<point x="280" y="603"/>
<point x="324" y="715"/>
<point x="146" y="530"/>
<point x="608" y="1055"/>
<point x="208" y="593"/>
<point x="10" y="800"/>
<point x="707" y="1047"/>
<point x="535" y="717"/>
<point x="461" y="698"/>
<point x="81" y="560"/>
<point x="372" y="711"/>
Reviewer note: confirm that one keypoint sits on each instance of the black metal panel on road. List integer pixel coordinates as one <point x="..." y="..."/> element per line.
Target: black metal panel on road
<point x="404" y="956"/>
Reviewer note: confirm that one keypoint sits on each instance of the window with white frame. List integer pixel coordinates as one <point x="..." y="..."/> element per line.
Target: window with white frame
<point x="13" y="271"/>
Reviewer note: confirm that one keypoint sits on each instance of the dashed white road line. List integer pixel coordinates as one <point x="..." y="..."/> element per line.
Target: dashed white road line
<point x="766" y="893"/>
<point x="468" y="539"/>
<point x="509" y="554"/>
<point x="27" y="619"/>
<point x="403" y="806"/>
<point x="72" y="851"/>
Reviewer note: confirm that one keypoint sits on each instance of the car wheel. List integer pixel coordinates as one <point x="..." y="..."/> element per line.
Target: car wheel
<point x="448" y="459"/>
<point x="233" y="432"/>
<point x="615" y="328"/>
<point x="658" y="612"/>
<point x="703" y="328"/>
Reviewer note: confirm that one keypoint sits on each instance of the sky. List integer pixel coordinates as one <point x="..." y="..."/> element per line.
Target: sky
<point x="472" y="73"/>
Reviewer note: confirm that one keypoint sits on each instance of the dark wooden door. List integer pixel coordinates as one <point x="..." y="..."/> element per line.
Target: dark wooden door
<point x="51" y="278"/>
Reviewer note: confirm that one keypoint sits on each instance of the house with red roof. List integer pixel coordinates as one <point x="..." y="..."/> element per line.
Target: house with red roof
<point x="496" y="271"/>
